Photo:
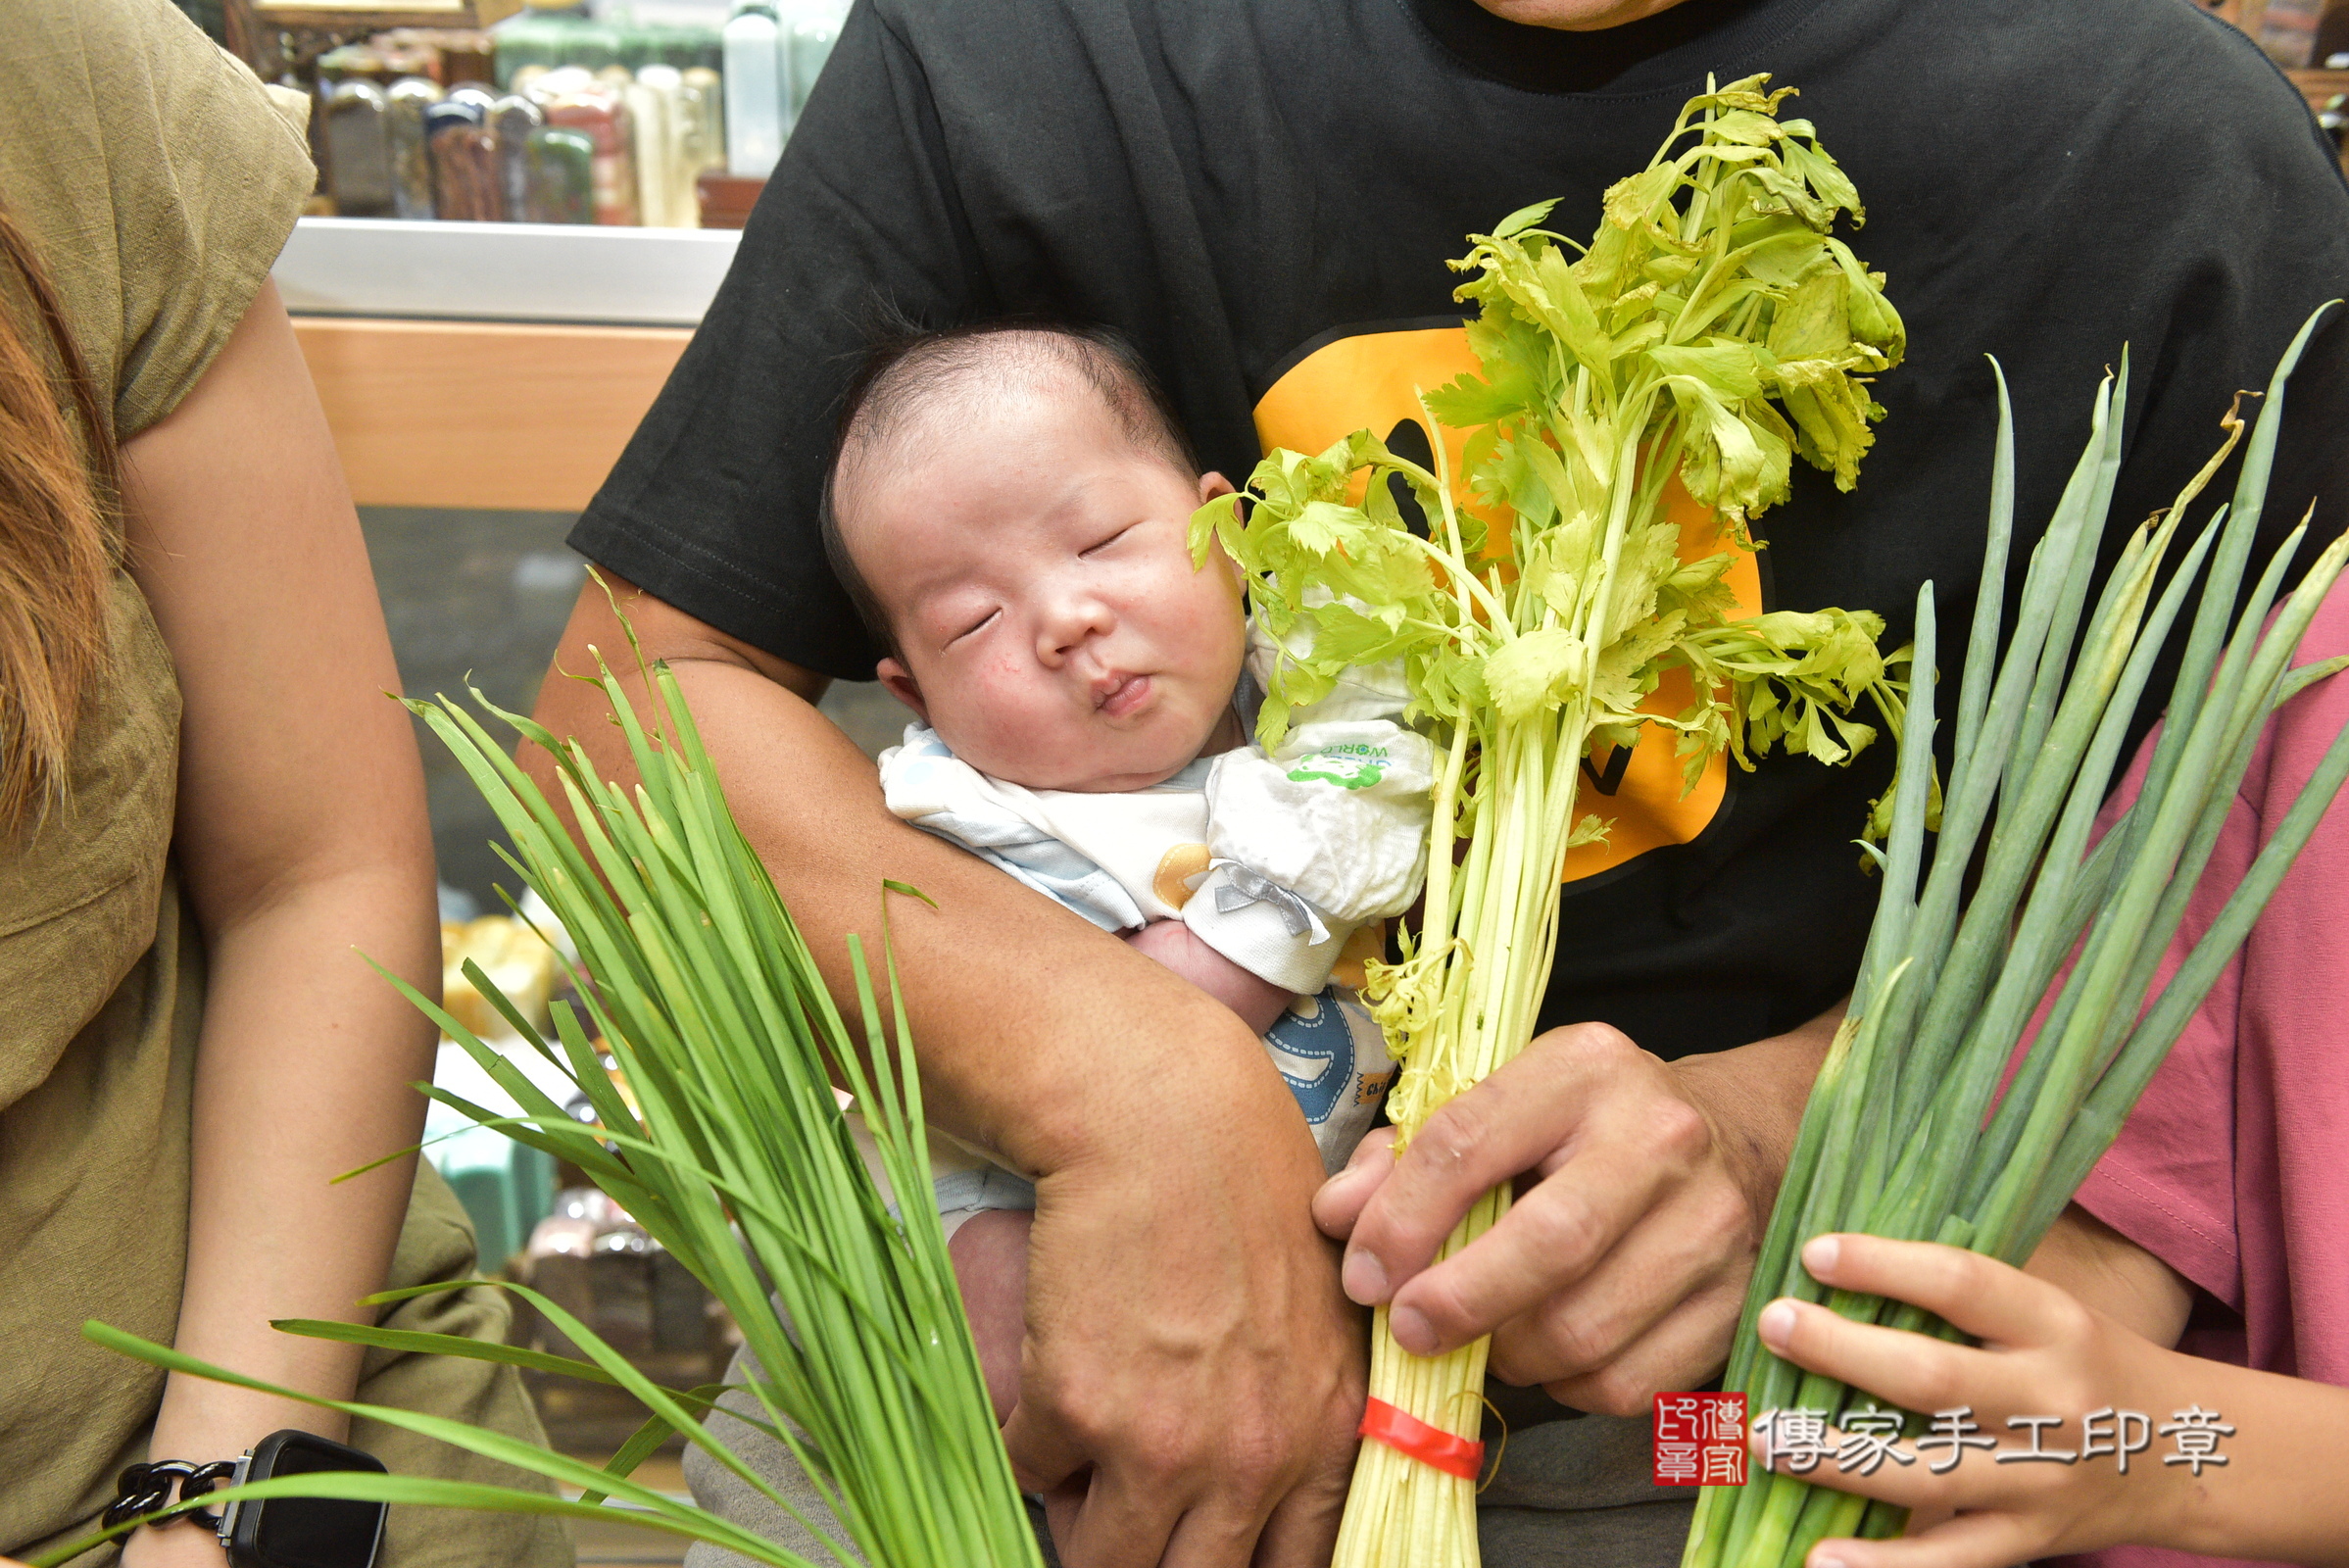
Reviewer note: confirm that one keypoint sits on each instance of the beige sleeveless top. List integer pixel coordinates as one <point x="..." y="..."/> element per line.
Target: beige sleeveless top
<point x="157" y="182"/>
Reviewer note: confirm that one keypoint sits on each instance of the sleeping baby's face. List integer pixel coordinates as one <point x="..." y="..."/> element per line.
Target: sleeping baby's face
<point x="1033" y="562"/>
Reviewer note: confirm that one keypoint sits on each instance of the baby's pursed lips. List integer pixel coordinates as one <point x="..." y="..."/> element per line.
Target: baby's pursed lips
<point x="1110" y="686"/>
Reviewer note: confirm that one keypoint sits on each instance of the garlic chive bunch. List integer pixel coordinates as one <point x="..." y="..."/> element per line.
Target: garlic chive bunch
<point x="732" y="1148"/>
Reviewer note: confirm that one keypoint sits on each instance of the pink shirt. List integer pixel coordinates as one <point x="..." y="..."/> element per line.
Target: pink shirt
<point x="2235" y="1167"/>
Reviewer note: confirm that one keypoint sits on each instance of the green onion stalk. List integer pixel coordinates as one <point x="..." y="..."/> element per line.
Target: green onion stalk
<point x="2024" y="908"/>
<point x="736" y="1155"/>
<point x="1714" y="328"/>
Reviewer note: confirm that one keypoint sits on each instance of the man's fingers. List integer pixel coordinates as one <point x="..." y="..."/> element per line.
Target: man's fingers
<point x="1042" y="1453"/>
<point x="1682" y="1351"/>
<point x="1119" y="1525"/>
<point x="1995" y="1303"/>
<point x="1304" y="1529"/>
<point x="1552" y="1236"/>
<point x="1061" y="1504"/>
<point x="1527" y="1109"/>
<point x="1972" y="1540"/>
<point x="1338" y="1202"/>
<point x="1213" y="1537"/>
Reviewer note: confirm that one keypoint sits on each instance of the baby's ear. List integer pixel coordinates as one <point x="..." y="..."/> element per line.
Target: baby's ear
<point x="898" y="682"/>
<point x="1213" y="486"/>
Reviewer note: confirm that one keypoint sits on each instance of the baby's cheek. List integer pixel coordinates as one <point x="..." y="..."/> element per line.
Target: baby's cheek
<point x="1010" y="729"/>
<point x="1218" y="628"/>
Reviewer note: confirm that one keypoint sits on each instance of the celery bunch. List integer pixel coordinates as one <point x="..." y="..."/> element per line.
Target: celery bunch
<point x="733" y="1149"/>
<point x="1711" y="332"/>
<point x="1906" y="1134"/>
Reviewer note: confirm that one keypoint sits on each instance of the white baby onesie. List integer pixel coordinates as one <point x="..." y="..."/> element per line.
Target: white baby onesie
<point x="1275" y="860"/>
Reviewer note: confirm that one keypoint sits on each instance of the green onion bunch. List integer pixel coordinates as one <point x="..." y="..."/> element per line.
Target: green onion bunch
<point x="736" y="1155"/>
<point x="1907" y="1133"/>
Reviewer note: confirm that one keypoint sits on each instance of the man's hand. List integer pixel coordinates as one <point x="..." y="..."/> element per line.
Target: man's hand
<point x="1191" y="1395"/>
<point x="1645" y="1187"/>
<point x="1192" y="1376"/>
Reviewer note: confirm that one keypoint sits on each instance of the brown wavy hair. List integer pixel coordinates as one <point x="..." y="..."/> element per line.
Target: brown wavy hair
<point x="59" y="488"/>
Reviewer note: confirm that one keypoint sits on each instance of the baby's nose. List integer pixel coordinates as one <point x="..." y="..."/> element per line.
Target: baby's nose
<point x="1069" y="622"/>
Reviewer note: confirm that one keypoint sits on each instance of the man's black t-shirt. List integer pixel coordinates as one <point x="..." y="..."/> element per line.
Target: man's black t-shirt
<point x="1255" y="192"/>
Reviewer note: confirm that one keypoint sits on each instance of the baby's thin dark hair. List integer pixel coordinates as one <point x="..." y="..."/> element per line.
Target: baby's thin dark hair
<point x="908" y="370"/>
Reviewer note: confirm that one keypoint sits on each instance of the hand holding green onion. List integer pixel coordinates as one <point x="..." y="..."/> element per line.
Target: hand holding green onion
<point x="1926" y="1124"/>
<point x="2041" y="1351"/>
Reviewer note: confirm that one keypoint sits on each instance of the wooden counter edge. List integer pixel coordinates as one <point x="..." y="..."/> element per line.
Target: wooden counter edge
<point x="489" y="414"/>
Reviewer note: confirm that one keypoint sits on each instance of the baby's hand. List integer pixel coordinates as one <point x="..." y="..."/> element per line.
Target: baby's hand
<point x="1257" y="1000"/>
<point x="990" y="1255"/>
<point x="2043" y="1354"/>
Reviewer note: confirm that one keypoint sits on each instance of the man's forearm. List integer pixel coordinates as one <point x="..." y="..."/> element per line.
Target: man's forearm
<point x="1039" y="1035"/>
<point x="1755" y="1095"/>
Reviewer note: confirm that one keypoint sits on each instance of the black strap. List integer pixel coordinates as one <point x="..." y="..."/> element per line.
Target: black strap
<point x="146" y="1489"/>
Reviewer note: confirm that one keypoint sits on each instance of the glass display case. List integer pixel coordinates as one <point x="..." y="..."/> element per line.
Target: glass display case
<point x="480" y="379"/>
<point x="667" y="113"/>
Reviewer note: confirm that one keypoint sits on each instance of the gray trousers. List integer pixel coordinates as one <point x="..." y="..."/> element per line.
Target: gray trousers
<point x="1572" y="1489"/>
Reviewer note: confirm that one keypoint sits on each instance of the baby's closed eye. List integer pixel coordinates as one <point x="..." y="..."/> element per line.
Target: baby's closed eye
<point x="974" y="627"/>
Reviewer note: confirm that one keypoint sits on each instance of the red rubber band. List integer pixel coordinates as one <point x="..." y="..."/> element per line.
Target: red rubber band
<point x="1414" y="1438"/>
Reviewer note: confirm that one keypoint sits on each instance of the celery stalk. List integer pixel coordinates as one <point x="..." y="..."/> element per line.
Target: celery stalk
<point x="1711" y="332"/>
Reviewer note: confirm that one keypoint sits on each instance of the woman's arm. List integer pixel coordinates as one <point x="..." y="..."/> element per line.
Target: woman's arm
<point x="302" y="842"/>
<point x="2275" y="1497"/>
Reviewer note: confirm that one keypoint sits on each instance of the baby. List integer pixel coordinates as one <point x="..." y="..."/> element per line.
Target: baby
<point x="1009" y="511"/>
